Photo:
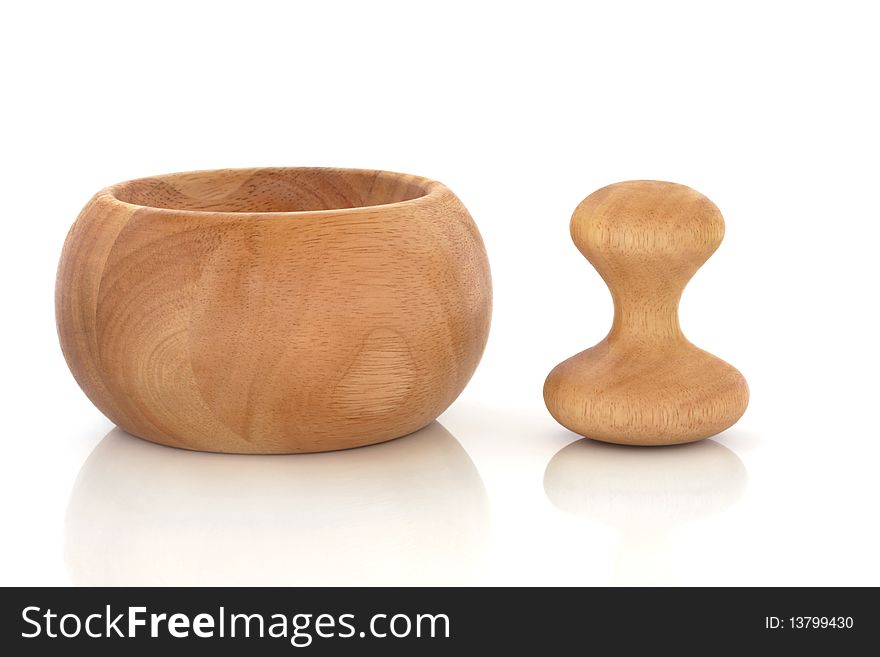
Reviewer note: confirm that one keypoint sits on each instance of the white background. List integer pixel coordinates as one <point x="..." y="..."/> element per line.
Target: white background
<point x="770" y="109"/>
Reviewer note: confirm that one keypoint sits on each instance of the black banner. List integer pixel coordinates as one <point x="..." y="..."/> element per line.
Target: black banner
<point x="430" y="621"/>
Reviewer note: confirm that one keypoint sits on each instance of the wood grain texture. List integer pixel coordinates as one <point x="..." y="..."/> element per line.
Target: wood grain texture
<point x="273" y="310"/>
<point x="645" y="383"/>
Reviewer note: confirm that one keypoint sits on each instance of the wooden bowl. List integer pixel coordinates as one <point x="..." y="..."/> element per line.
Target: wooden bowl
<point x="273" y="310"/>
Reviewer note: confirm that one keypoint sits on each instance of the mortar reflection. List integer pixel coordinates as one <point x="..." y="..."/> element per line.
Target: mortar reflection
<point x="644" y="493"/>
<point x="410" y="511"/>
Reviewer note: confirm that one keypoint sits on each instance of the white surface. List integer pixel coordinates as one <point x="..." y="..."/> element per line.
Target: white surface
<point x="770" y="109"/>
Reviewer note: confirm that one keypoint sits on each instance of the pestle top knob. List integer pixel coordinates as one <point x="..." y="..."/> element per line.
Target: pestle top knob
<point x="645" y="383"/>
<point x="640" y="221"/>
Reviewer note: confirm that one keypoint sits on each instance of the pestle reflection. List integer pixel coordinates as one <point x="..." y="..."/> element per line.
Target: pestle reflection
<point x="644" y="494"/>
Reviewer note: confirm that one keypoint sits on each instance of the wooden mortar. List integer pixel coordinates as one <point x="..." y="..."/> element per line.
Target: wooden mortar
<point x="273" y="310"/>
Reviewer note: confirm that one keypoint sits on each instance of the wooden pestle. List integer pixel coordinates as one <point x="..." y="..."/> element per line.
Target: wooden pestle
<point x="645" y="383"/>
